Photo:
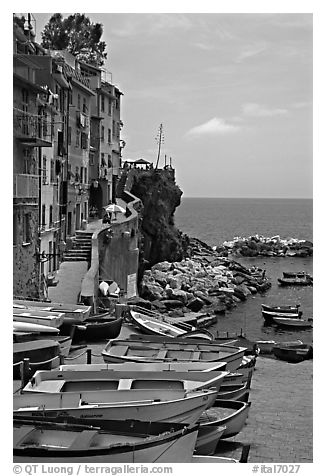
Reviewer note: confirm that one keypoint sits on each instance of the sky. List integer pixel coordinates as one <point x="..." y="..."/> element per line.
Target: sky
<point x="233" y="92"/>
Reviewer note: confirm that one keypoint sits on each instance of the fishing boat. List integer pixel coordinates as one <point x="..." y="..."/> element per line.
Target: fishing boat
<point x="207" y="439"/>
<point x="42" y="354"/>
<point x="266" y="346"/>
<point x="293" y="352"/>
<point x="233" y="392"/>
<point x="35" y="316"/>
<point x="220" y="459"/>
<point x="102" y="442"/>
<point x="269" y="315"/>
<point x="36" y="328"/>
<point x="187" y="408"/>
<point x="304" y="281"/>
<point x="73" y="313"/>
<point x="134" y="350"/>
<point x="228" y="413"/>
<point x="70" y="381"/>
<point x="98" y="329"/>
<point x="151" y="326"/>
<point x="149" y="366"/>
<point x="203" y="334"/>
<point x="296" y="274"/>
<point x="292" y="309"/>
<point x="292" y="322"/>
<point x="63" y="341"/>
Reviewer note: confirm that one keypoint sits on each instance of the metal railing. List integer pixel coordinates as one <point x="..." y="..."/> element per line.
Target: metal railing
<point x="32" y="125"/>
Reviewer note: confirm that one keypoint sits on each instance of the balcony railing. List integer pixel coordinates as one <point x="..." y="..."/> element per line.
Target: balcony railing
<point x="26" y="186"/>
<point x="32" y="126"/>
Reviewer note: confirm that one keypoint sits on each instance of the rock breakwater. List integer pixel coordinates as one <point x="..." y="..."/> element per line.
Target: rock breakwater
<point x="204" y="282"/>
<point x="258" y="245"/>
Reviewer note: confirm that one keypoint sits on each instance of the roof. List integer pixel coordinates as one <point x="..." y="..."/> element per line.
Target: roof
<point x="26" y="60"/>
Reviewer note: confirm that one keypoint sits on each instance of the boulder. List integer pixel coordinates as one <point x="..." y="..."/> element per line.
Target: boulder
<point x="172" y="303"/>
<point x="195" y="304"/>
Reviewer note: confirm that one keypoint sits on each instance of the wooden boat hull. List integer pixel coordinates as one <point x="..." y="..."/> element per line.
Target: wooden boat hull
<point x="151" y="326"/>
<point x="293" y="353"/>
<point x="36" y="316"/>
<point x="283" y="309"/>
<point x="63" y="341"/>
<point x="291" y="323"/>
<point x="167" y="350"/>
<point x="233" y="421"/>
<point x="98" y="330"/>
<point x="266" y="346"/>
<point x="73" y="313"/>
<point x="295" y="282"/>
<point x="129" y="442"/>
<point x="207" y="439"/>
<point x="232" y="392"/>
<point x="42" y="354"/>
<point x="150" y="366"/>
<point x="30" y="327"/>
<point x="58" y="406"/>
<point x="269" y="316"/>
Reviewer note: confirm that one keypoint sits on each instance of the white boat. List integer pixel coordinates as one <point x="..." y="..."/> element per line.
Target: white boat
<point x="134" y="350"/>
<point x="35" y="316"/>
<point x="69" y="381"/>
<point x="150" y="366"/>
<point x="232" y="392"/>
<point x="110" y="442"/>
<point x="229" y="413"/>
<point x="201" y="459"/>
<point x="150" y="325"/>
<point x="73" y="313"/>
<point x="207" y="439"/>
<point x="266" y="346"/>
<point x="186" y="409"/>
<point x="29" y="327"/>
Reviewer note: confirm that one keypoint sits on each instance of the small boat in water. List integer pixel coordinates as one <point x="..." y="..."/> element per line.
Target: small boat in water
<point x="296" y="281"/>
<point x="293" y="352"/>
<point x="292" y="323"/>
<point x="296" y="274"/>
<point x="266" y="346"/>
<point x="102" y="442"/>
<point x="186" y="408"/>
<point x="292" y="309"/>
<point x="151" y="326"/>
<point x="42" y="354"/>
<point x="167" y="350"/>
<point x="269" y="316"/>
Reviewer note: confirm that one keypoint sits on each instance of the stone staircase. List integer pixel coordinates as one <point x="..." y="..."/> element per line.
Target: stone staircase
<point x="121" y="184"/>
<point x="81" y="249"/>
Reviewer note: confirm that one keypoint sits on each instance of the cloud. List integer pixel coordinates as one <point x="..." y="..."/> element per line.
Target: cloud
<point x="213" y="127"/>
<point x="253" y="109"/>
<point x="250" y="52"/>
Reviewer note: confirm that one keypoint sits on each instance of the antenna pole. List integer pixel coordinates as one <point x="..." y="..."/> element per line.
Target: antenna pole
<point x="159" y="139"/>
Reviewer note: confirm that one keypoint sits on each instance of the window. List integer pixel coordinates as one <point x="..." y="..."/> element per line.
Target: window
<point x="77" y="174"/>
<point x="109" y="136"/>
<point x="15" y="229"/>
<point x="102" y="133"/>
<point x="91" y="158"/>
<point x="51" y="215"/>
<point x="110" y="107"/>
<point x="85" y="175"/>
<point x="84" y="140"/>
<point x="44" y="177"/>
<point x="81" y="174"/>
<point x="52" y="173"/>
<point x="102" y="103"/>
<point x="84" y="106"/>
<point x="69" y="135"/>
<point x="77" y="138"/>
<point x="60" y="143"/>
<point x="102" y="160"/>
<point x="109" y="160"/>
<point x="69" y="172"/>
<point x="117" y="103"/>
<point x="43" y="215"/>
<point x="78" y="101"/>
<point x="27" y="235"/>
<point x="113" y="128"/>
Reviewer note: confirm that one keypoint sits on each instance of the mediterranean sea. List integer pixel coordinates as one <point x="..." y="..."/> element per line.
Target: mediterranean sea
<point x="215" y="220"/>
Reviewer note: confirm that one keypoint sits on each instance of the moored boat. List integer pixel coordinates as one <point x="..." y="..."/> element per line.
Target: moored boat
<point x="63" y="341"/>
<point x="293" y="309"/>
<point x="185" y="409"/>
<point x="137" y="350"/>
<point x="269" y="315"/>
<point x="36" y="316"/>
<point x="110" y="442"/>
<point x="296" y="281"/>
<point x="151" y="326"/>
<point x="150" y="366"/>
<point x="266" y="346"/>
<point x="293" y="352"/>
<point x="98" y="329"/>
<point x="42" y="354"/>
<point x="292" y="323"/>
<point x="229" y="413"/>
<point x="207" y="439"/>
<point x="30" y="327"/>
<point x="296" y="274"/>
<point x="73" y="313"/>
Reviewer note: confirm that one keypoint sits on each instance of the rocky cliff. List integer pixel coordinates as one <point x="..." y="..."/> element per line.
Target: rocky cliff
<point x="160" y="239"/>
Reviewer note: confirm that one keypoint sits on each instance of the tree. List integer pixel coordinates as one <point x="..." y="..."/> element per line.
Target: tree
<point x="78" y="35"/>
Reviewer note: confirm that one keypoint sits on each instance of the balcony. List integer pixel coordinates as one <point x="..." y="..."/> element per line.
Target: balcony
<point x="26" y="186"/>
<point x="32" y="129"/>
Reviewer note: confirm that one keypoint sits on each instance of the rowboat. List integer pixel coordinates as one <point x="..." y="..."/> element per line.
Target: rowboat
<point x="305" y="281"/>
<point x="134" y="350"/>
<point x="29" y="327"/>
<point x="269" y="315"/>
<point x="150" y="366"/>
<point x="207" y="439"/>
<point x="184" y="409"/>
<point x="198" y="334"/>
<point x="220" y="459"/>
<point x="152" y="326"/>
<point x="110" y="442"/>
<point x="73" y="313"/>
<point x="98" y="329"/>
<point x="266" y="346"/>
<point x="69" y="381"/>
<point x="63" y="341"/>
<point x="35" y="316"/>
<point x="296" y="274"/>
<point x="43" y="354"/>
<point x="232" y="392"/>
<point x="284" y="308"/>
<point x="228" y="413"/>
<point x="293" y="353"/>
<point x="291" y="322"/>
